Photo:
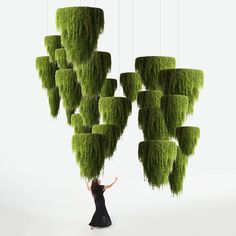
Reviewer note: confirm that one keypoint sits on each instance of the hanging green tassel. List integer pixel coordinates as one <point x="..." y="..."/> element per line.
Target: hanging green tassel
<point x="184" y="82"/>
<point x="131" y="83"/>
<point x="151" y="98"/>
<point x="112" y="132"/>
<point x="149" y="67"/>
<point x="54" y="101"/>
<point x="80" y="28"/>
<point x="69" y="113"/>
<point x="109" y="87"/>
<point x="176" y="177"/>
<point x="60" y="57"/>
<point x="115" y="110"/>
<point x="152" y="122"/>
<point x="157" y="157"/>
<point x="175" y="109"/>
<point x="92" y="74"/>
<point x="90" y="152"/>
<point x="187" y="137"/>
<point x="46" y="71"/>
<point x="52" y="42"/>
<point x="69" y="88"/>
<point x="77" y="123"/>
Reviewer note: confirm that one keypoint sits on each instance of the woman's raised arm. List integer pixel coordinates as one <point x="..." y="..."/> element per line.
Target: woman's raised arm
<point x="109" y="185"/>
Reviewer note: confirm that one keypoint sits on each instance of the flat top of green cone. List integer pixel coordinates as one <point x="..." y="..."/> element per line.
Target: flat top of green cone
<point x="52" y="36"/>
<point x="114" y="98"/>
<point x="155" y="57"/>
<point x="78" y="8"/>
<point x="128" y="73"/>
<point x="181" y="70"/>
<point x="187" y="127"/>
<point x="159" y="142"/>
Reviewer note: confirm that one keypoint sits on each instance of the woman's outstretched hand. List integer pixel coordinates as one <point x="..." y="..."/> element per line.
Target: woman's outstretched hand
<point x="116" y="178"/>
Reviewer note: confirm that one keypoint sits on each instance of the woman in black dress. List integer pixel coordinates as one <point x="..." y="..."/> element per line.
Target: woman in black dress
<point x="100" y="217"/>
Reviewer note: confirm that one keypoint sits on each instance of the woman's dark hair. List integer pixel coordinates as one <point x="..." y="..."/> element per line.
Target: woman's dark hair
<point x="96" y="188"/>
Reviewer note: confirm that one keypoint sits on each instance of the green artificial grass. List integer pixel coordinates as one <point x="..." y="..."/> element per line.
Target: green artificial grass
<point x="115" y="110"/>
<point x="151" y="98"/>
<point x="176" y="177"/>
<point x="108" y="88"/>
<point x="112" y="132"/>
<point x="54" y="101"/>
<point x="90" y="152"/>
<point x="89" y="110"/>
<point x="175" y="109"/>
<point x="187" y="137"/>
<point x="69" y="113"/>
<point x="131" y="84"/>
<point x="157" y="157"/>
<point x="92" y="74"/>
<point x="69" y="88"/>
<point x="52" y="42"/>
<point x="184" y="82"/>
<point x="77" y="123"/>
<point x="46" y="71"/>
<point x="152" y="122"/>
<point x="60" y="57"/>
<point x="149" y="67"/>
<point x="80" y="28"/>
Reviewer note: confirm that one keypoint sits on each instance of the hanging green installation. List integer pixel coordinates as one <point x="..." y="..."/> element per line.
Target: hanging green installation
<point x="108" y="88"/>
<point x="60" y="57"/>
<point x="90" y="149"/>
<point x="157" y="157"/>
<point x="131" y="83"/>
<point x="149" y="68"/>
<point x="151" y="98"/>
<point x="69" y="113"/>
<point x="80" y="28"/>
<point x="177" y="175"/>
<point x="187" y="137"/>
<point x="54" y="101"/>
<point x="52" y="42"/>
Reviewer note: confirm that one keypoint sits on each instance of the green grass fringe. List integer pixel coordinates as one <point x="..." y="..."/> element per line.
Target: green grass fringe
<point x="80" y="28"/>
<point x="90" y="152"/>
<point x="60" y="57"/>
<point x="108" y="88"/>
<point x="187" y="137"/>
<point x="69" y="88"/>
<point x="152" y="122"/>
<point x="89" y="110"/>
<point x="157" y="157"/>
<point x="52" y="42"/>
<point x="176" y="177"/>
<point x="54" y="101"/>
<point x="46" y="71"/>
<point x="149" y="67"/>
<point x="69" y="113"/>
<point x="92" y="74"/>
<point x="77" y="123"/>
<point x="175" y="109"/>
<point x="115" y="110"/>
<point x="184" y="82"/>
<point x="151" y="98"/>
<point x="131" y="84"/>
<point x="112" y="132"/>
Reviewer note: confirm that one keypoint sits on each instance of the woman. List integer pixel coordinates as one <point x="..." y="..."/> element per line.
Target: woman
<point x="101" y="217"/>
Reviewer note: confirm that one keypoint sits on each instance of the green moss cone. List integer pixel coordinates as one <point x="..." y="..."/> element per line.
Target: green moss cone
<point x="80" y="28"/>
<point x="92" y="74"/>
<point x="112" y="132"/>
<point x="151" y="98"/>
<point x="69" y="113"/>
<point x="115" y="110"/>
<point x="149" y="67"/>
<point x="60" y="57"/>
<point x="77" y="123"/>
<point x="175" y="108"/>
<point x="187" y="137"/>
<point x="52" y="42"/>
<point x="69" y="88"/>
<point x="131" y="83"/>
<point x="176" y="177"/>
<point x="54" y="101"/>
<point x="109" y="87"/>
<point x="157" y="158"/>
<point x="89" y="110"/>
<point x="184" y="82"/>
<point x="152" y="122"/>
<point x="46" y="71"/>
<point x="90" y="152"/>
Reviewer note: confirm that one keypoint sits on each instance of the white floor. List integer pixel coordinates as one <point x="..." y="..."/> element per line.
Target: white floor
<point x="207" y="207"/>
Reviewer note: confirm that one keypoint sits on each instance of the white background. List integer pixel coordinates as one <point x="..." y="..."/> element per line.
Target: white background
<point x="41" y="192"/>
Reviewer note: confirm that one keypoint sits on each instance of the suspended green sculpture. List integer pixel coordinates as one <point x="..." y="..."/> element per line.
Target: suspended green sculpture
<point x="54" y="101"/>
<point x="109" y="87"/>
<point x="149" y="68"/>
<point x="151" y="98"/>
<point x="80" y="28"/>
<point x="52" y="42"/>
<point x="60" y="57"/>
<point x="131" y="83"/>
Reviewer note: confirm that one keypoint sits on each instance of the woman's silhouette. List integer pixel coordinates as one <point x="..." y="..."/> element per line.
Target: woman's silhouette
<point x="100" y="217"/>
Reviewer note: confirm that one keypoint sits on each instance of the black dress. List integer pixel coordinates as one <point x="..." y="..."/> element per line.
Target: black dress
<point x="100" y="217"/>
